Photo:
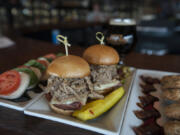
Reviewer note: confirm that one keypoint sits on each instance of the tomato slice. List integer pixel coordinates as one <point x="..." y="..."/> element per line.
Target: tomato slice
<point x="51" y="56"/>
<point x="43" y="62"/>
<point x="9" y="82"/>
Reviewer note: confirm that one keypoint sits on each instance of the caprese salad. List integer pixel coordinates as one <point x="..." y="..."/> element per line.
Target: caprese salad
<point x="15" y="82"/>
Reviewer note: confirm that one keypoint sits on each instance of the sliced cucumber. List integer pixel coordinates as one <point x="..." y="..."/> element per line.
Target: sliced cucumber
<point x="33" y="78"/>
<point x="48" y="59"/>
<point x="60" y="54"/>
<point x="36" y="64"/>
<point x="45" y="59"/>
<point x="37" y="72"/>
<point x="25" y="79"/>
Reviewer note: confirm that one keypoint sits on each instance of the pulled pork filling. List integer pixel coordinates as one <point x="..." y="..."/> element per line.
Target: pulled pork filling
<point x="69" y="90"/>
<point x="103" y="74"/>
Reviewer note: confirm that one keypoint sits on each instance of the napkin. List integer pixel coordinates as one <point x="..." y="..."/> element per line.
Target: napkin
<point x="6" y="42"/>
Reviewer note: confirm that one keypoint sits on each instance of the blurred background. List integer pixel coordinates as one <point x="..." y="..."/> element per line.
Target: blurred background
<point x="157" y="21"/>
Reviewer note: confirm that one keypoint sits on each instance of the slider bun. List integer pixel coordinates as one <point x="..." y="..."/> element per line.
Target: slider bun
<point x="69" y="67"/>
<point x="101" y="55"/>
<point x="61" y="111"/>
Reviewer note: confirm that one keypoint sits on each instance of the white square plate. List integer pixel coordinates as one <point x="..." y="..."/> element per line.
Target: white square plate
<point x="109" y="123"/>
<point x="130" y="119"/>
<point x="21" y="105"/>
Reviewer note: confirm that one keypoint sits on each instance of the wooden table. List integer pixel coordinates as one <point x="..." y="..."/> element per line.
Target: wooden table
<point x="16" y="123"/>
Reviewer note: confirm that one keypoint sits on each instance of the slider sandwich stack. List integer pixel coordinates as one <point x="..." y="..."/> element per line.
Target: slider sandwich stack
<point x="72" y="81"/>
<point x="69" y="85"/>
<point x="103" y="62"/>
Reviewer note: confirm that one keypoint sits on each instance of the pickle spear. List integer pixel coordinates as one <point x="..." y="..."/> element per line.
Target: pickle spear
<point x="96" y="108"/>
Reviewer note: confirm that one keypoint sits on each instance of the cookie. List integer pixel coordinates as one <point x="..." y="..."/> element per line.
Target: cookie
<point x="170" y="82"/>
<point x="171" y="94"/>
<point x="172" y="128"/>
<point x="173" y="111"/>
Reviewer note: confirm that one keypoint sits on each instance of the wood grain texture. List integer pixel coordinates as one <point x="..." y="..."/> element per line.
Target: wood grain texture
<point x="16" y="123"/>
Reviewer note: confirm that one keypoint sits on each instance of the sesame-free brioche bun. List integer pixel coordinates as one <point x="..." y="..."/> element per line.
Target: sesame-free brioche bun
<point x="61" y="111"/>
<point x="101" y="55"/>
<point x="69" y="67"/>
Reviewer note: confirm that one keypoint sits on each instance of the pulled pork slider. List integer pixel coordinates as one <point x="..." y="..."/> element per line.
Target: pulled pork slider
<point x="103" y="61"/>
<point x="69" y="84"/>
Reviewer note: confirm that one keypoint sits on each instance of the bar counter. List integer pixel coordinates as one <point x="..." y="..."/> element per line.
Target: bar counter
<point x="16" y="123"/>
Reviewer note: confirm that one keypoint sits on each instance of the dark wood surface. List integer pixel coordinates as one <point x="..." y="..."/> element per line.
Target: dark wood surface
<point x="16" y="123"/>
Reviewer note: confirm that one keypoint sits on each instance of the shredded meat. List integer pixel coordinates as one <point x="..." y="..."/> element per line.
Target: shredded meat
<point x="72" y="106"/>
<point x="102" y="74"/>
<point x="71" y="89"/>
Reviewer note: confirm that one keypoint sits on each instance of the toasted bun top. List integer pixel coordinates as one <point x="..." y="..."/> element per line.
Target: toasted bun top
<point x="69" y="67"/>
<point x="101" y="55"/>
